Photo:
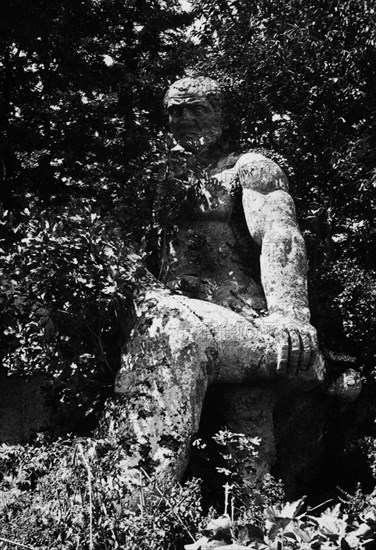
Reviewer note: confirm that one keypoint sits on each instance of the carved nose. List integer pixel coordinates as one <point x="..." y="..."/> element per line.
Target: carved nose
<point x="187" y="115"/>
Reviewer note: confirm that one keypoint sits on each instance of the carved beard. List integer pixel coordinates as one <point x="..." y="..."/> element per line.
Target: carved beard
<point x="199" y="141"/>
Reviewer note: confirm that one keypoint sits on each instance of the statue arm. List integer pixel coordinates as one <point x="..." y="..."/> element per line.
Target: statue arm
<point x="272" y="223"/>
<point x="270" y="214"/>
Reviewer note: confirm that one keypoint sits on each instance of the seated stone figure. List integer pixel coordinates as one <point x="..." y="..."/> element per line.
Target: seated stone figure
<point x="212" y="322"/>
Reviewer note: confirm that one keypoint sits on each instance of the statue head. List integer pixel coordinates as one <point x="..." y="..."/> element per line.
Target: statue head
<point x="195" y="112"/>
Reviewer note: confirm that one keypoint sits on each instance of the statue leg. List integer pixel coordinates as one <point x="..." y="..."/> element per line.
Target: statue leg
<point x="161" y="386"/>
<point x="178" y="347"/>
<point x="248" y="410"/>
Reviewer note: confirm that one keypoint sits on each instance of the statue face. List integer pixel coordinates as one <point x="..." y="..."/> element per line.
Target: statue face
<point x="194" y="122"/>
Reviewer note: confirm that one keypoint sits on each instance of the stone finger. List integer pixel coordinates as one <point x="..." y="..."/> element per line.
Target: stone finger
<point x="313" y="335"/>
<point x="283" y="346"/>
<point x="295" y="350"/>
<point x="306" y="351"/>
<point x="313" y="349"/>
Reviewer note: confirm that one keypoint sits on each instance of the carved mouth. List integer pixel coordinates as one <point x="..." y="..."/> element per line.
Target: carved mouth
<point x="190" y="134"/>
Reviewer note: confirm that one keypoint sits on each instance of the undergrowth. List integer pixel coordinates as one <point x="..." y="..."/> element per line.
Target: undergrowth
<point x="71" y="494"/>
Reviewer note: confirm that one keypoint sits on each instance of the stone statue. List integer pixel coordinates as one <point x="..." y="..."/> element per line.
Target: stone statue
<point x="212" y="321"/>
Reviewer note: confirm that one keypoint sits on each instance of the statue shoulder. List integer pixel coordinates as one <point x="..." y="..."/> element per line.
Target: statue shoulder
<point x="259" y="173"/>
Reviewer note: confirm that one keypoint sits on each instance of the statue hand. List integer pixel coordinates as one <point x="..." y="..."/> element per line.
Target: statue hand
<point x="297" y="346"/>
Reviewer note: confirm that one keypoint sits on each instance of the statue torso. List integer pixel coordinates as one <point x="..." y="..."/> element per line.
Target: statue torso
<point x="212" y="256"/>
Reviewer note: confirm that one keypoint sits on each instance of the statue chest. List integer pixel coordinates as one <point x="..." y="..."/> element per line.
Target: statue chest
<point x="211" y="255"/>
<point x="209" y="263"/>
<point x="213" y="258"/>
<point x="213" y="198"/>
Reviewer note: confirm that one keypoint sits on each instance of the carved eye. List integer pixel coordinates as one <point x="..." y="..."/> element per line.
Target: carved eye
<point x="176" y="112"/>
<point x="199" y="110"/>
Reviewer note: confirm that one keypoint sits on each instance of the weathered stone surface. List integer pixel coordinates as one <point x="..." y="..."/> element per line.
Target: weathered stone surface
<point x="178" y="348"/>
<point x="207" y="128"/>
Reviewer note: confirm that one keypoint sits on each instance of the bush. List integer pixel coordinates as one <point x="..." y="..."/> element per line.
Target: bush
<point x="70" y="493"/>
<point x="66" y="300"/>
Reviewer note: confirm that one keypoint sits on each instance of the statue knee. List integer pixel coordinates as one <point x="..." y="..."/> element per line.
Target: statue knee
<point x="168" y="344"/>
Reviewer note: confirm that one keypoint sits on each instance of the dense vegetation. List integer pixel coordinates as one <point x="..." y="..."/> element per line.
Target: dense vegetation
<point x="82" y="86"/>
<point x="82" y="164"/>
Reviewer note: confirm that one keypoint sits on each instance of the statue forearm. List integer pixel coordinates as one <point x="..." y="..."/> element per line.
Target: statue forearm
<point x="270" y="214"/>
<point x="284" y="271"/>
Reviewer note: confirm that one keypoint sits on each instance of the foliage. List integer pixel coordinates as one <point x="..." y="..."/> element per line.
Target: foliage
<point x="285" y="527"/>
<point x="69" y="494"/>
<point x="80" y="105"/>
<point x="81" y="90"/>
<point x="257" y="516"/>
<point x="81" y="94"/>
<point x="354" y="504"/>
<point x="73" y="492"/>
<point x="66" y="288"/>
<point x="245" y="488"/>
